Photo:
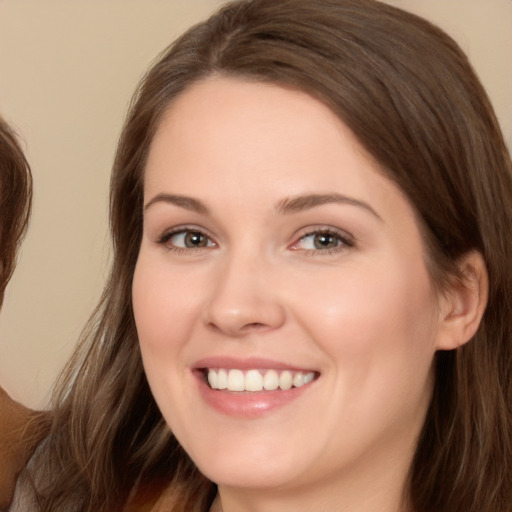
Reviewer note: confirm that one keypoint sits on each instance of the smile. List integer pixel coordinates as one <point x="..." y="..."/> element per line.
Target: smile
<point x="253" y="387"/>
<point x="256" y="380"/>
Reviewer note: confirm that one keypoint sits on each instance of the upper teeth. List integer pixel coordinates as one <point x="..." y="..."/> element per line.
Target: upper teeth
<point x="254" y="380"/>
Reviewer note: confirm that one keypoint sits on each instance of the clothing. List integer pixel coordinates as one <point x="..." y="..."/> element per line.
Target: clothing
<point x="21" y="430"/>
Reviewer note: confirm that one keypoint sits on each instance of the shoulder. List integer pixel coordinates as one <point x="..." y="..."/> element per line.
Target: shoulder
<point x="21" y="430"/>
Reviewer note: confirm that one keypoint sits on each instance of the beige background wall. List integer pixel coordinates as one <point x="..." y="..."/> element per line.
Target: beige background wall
<point x="67" y="70"/>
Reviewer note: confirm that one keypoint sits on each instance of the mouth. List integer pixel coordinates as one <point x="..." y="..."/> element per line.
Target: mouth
<point x="253" y="387"/>
<point x="256" y="380"/>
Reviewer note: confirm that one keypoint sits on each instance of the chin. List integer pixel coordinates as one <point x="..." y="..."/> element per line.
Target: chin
<point x="249" y="476"/>
<point x="249" y="470"/>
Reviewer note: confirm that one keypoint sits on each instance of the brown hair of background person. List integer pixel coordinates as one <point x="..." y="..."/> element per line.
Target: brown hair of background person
<point x="410" y="96"/>
<point x="20" y="428"/>
<point x="15" y="201"/>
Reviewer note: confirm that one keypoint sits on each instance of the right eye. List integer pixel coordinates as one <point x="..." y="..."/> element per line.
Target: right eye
<point x="184" y="239"/>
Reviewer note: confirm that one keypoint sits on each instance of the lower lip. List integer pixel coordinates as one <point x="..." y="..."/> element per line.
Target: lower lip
<point x="249" y="404"/>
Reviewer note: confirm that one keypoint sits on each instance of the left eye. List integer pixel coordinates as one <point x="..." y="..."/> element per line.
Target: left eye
<point x="189" y="239"/>
<point x="321" y="241"/>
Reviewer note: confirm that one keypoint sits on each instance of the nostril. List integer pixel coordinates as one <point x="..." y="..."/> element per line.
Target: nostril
<point x="254" y="326"/>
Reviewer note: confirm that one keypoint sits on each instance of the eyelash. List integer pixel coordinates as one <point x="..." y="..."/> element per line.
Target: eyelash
<point x="168" y="235"/>
<point x="344" y="241"/>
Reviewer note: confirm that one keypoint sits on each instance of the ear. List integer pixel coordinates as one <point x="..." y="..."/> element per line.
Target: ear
<point x="463" y="304"/>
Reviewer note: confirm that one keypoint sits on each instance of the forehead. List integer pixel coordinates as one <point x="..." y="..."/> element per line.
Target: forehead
<point x="231" y="129"/>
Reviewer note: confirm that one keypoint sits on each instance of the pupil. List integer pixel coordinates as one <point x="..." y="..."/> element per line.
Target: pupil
<point x="325" y="241"/>
<point x="195" y="239"/>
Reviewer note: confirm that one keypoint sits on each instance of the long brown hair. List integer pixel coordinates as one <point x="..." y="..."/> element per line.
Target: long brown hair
<point x="410" y="96"/>
<point x="15" y="201"/>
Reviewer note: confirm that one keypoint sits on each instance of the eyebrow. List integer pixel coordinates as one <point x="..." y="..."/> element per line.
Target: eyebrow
<point x="305" y="202"/>
<point x="286" y="206"/>
<point x="189" y="203"/>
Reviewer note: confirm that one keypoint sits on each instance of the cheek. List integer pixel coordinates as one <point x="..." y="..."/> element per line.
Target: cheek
<point x="164" y="304"/>
<point x="378" y="330"/>
<point x="165" y="310"/>
<point x="375" y="325"/>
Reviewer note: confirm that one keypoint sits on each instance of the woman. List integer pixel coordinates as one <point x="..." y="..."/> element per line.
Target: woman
<point x="20" y="428"/>
<point x="309" y="302"/>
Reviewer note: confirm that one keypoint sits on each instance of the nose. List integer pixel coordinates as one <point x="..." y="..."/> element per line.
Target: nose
<point x="244" y="298"/>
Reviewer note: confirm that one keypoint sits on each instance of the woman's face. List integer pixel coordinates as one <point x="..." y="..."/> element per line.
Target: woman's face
<point x="275" y="254"/>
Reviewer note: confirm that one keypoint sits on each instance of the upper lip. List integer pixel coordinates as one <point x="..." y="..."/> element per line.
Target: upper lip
<point x="228" y="362"/>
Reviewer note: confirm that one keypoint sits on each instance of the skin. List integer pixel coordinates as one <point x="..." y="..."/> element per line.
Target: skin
<point x="362" y="313"/>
